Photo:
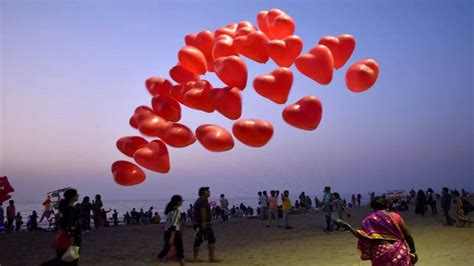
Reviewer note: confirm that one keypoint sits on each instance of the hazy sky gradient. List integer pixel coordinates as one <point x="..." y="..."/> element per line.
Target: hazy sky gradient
<point x="73" y="72"/>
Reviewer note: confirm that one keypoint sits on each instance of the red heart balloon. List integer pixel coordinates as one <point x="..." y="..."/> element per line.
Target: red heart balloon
<point x="127" y="174"/>
<point x="244" y="28"/>
<point x="253" y="132"/>
<point x="228" y="102"/>
<point x="178" y="135"/>
<point x="305" y="113"/>
<point x="279" y="24"/>
<point x="166" y="107"/>
<point x="224" y="46"/>
<point x="204" y="41"/>
<point x="158" y="86"/>
<point x="181" y="75"/>
<point x="341" y="48"/>
<point x="200" y="97"/>
<point x="228" y="30"/>
<point x="152" y="125"/>
<point x="318" y="64"/>
<point x="275" y="86"/>
<point x="139" y="111"/>
<point x="154" y="157"/>
<point x="192" y="59"/>
<point x="362" y="75"/>
<point x="232" y="71"/>
<point x="214" y="138"/>
<point x="254" y="46"/>
<point x="128" y="145"/>
<point x="284" y="52"/>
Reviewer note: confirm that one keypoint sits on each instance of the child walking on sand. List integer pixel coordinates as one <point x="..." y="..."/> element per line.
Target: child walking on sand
<point x="172" y="230"/>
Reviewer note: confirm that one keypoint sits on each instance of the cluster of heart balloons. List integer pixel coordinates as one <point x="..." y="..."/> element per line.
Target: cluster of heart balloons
<point x="5" y="189"/>
<point x="220" y="52"/>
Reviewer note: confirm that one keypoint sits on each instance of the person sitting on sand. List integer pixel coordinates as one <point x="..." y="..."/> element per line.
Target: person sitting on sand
<point x="156" y="219"/>
<point x="384" y="238"/>
<point x="172" y="234"/>
<point x="202" y="225"/>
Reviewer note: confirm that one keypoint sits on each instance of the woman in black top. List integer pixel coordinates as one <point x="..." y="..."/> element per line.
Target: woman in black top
<point x="69" y="228"/>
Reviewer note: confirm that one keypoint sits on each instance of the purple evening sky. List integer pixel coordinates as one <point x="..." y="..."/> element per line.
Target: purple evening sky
<point x="72" y="73"/>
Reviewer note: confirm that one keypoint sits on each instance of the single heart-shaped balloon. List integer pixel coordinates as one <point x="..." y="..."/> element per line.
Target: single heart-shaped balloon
<point x="284" y="52"/>
<point x="228" y="30"/>
<point x="254" y="46"/>
<point x="275" y="86"/>
<point x="192" y="59"/>
<point x="140" y="111"/>
<point x="181" y="75"/>
<point x="318" y="64"/>
<point x="158" y="86"/>
<point x="214" y="138"/>
<point x="253" y="132"/>
<point x="199" y="97"/>
<point x="152" y="125"/>
<point x="228" y="102"/>
<point x="232" y="71"/>
<point x="341" y="48"/>
<point x="154" y="157"/>
<point x="166" y="107"/>
<point x="127" y="174"/>
<point x="304" y="114"/>
<point x="128" y="145"/>
<point x="279" y="24"/>
<point x="178" y="135"/>
<point x="204" y="41"/>
<point x="362" y="75"/>
<point x="224" y="46"/>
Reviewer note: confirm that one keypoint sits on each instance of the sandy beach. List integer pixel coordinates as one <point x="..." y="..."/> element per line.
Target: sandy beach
<point x="247" y="242"/>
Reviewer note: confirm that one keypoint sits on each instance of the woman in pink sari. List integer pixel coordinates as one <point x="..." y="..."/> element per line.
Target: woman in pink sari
<point x="384" y="239"/>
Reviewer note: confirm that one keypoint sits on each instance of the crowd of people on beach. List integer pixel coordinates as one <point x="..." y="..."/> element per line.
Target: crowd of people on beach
<point x="274" y="208"/>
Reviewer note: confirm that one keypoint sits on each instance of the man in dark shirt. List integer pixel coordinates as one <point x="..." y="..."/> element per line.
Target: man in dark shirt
<point x="202" y="224"/>
<point x="446" y="200"/>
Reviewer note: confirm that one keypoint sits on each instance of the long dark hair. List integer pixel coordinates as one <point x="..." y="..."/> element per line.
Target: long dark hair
<point x="172" y="205"/>
<point x="68" y="195"/>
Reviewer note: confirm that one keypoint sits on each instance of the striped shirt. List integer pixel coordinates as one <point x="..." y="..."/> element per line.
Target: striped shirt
<point x="172" y="220"/>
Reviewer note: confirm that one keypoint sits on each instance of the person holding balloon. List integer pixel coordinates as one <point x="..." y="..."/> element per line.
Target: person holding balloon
<point x="384" y="238"/>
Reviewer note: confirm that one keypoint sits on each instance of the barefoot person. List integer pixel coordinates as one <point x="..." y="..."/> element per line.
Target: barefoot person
<point x="202" y="225"/>
<point x="172" y="230"/>
<point x="384" y="238"/>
